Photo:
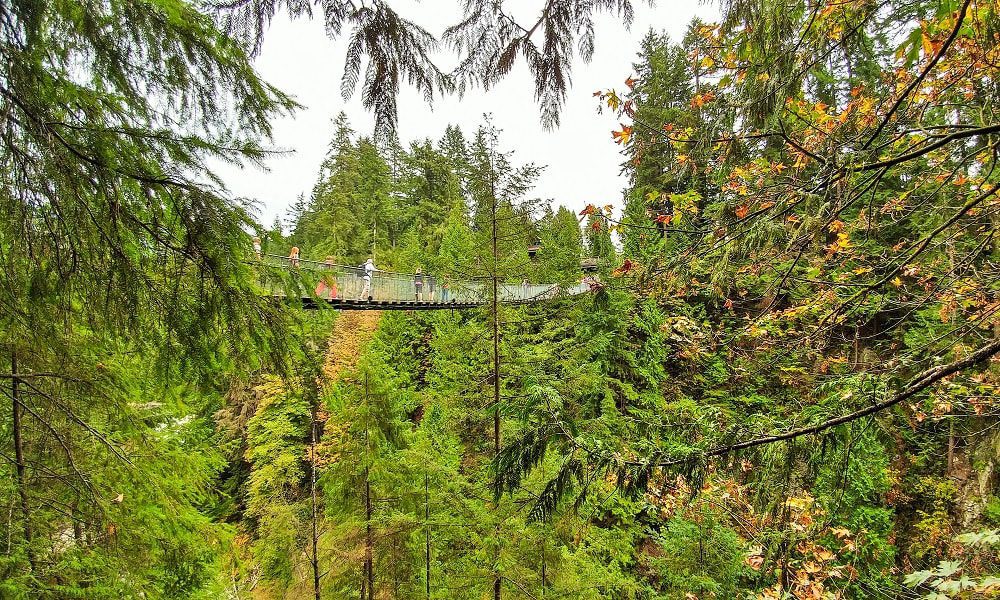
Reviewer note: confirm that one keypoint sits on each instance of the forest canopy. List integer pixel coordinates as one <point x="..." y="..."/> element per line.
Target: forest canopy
<point x="780" y="381"/>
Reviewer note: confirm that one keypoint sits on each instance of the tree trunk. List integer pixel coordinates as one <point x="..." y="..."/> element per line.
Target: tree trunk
<point x="427" y="535"/>
<point x="369" y="567"/>
<point x="369" y="574"/>
<point x="545" y="582"/>
<point x="315" y="517"/>
<point x="22" y="489"/>
<point x="951" y="446"/>
<point x="496" y="357"/>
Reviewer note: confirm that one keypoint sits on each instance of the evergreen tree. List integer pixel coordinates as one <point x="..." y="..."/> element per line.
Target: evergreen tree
<point x="125" y="288"/>
<point x="598" y="239"/>
<point x="561" y="247"/>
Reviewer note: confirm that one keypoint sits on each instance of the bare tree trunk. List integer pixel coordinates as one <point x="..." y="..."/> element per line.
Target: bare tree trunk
<point x="427" y="535"/>
<point x="77" y="524"/>
<point x="496" y="355"/>
<point x="369" y="567"/>
<point x="315" y="517"/>
<point x="22" y="489"/>
<point x="545" y="582"/>
<point x="951" y="446"/>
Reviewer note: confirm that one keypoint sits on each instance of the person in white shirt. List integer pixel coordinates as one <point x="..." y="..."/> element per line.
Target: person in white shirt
<point x="369" y="268"/>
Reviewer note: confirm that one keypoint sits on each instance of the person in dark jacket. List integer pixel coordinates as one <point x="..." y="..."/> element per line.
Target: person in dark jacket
<point x="418" y="284"/>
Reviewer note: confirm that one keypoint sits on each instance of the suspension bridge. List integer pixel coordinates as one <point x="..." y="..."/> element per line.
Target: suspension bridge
<point x="343" y="287"/>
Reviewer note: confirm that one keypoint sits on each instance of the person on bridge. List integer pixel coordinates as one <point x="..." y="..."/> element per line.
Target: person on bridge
<point x="418" y="284"/>
<point x="431" y="285"/>
<point x="328" y="283"/>
<point x="256" y="247"/>
<point x="369" y="269"/>
<point x="293" y="256"/>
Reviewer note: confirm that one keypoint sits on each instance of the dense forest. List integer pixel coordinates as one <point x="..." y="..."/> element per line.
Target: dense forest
<point x="782" y="384"/>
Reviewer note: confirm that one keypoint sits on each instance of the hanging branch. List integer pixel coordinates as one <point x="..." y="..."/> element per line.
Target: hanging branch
<point x="916" y="385"/>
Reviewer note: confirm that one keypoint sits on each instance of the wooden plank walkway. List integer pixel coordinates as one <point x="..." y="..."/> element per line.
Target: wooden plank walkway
<point x="310" y="303"/>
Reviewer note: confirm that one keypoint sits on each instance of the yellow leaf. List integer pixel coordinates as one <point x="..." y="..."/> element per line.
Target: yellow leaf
<point x="613" y="100"/>
<point x="623" y="136"/>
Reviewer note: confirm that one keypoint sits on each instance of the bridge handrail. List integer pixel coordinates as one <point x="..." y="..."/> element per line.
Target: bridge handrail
<point x="347" y="282"/>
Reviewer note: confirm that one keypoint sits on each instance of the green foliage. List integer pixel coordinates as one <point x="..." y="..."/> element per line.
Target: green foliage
<point x="958" y="578"/>
<point x="794" y="255"/>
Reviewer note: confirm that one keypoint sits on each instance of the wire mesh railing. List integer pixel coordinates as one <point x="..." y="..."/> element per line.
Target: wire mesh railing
<point x="341" y="282"/>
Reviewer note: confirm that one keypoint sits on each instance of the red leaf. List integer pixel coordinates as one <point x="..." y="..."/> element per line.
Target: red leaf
<point x="626" y="266"/>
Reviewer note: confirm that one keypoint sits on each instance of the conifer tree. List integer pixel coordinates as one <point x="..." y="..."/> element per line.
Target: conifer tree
<point x="125" y="286"/>
<point x="561" y="247"/>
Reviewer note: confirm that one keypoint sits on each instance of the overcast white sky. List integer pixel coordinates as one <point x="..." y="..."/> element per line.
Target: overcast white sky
<point x="582" y="160"/>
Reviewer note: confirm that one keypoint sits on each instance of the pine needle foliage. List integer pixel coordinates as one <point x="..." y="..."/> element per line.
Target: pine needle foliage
<point x="486" y="38"/>
<point x="124" y="289"/>
<point x="112" y="111"/>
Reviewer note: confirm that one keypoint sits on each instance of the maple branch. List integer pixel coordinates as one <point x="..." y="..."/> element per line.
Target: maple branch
<point x="918" y="249"/>
<point x="941" y="142"/>
<point x="916" y="385"/>
<point x="913" y="84"/>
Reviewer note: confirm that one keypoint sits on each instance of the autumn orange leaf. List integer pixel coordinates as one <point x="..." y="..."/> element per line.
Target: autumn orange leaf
<point x="755" y="560"/>
<point x="588" y="210"/>
<point x="742" y="211"/>
<point x="766" y="205"/>
<point x="623" y="136"/>
<point x="700" y="100"/>
<point x="630" y="83"/>
<point x="626" y="266"/>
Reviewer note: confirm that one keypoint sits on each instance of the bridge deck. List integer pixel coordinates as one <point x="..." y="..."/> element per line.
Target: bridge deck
<point x="310" y="303"/>
<point x="343" y="287"/>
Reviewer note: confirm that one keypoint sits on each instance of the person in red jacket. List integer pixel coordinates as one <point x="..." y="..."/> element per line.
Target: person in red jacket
<point x="327" y="286"/>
